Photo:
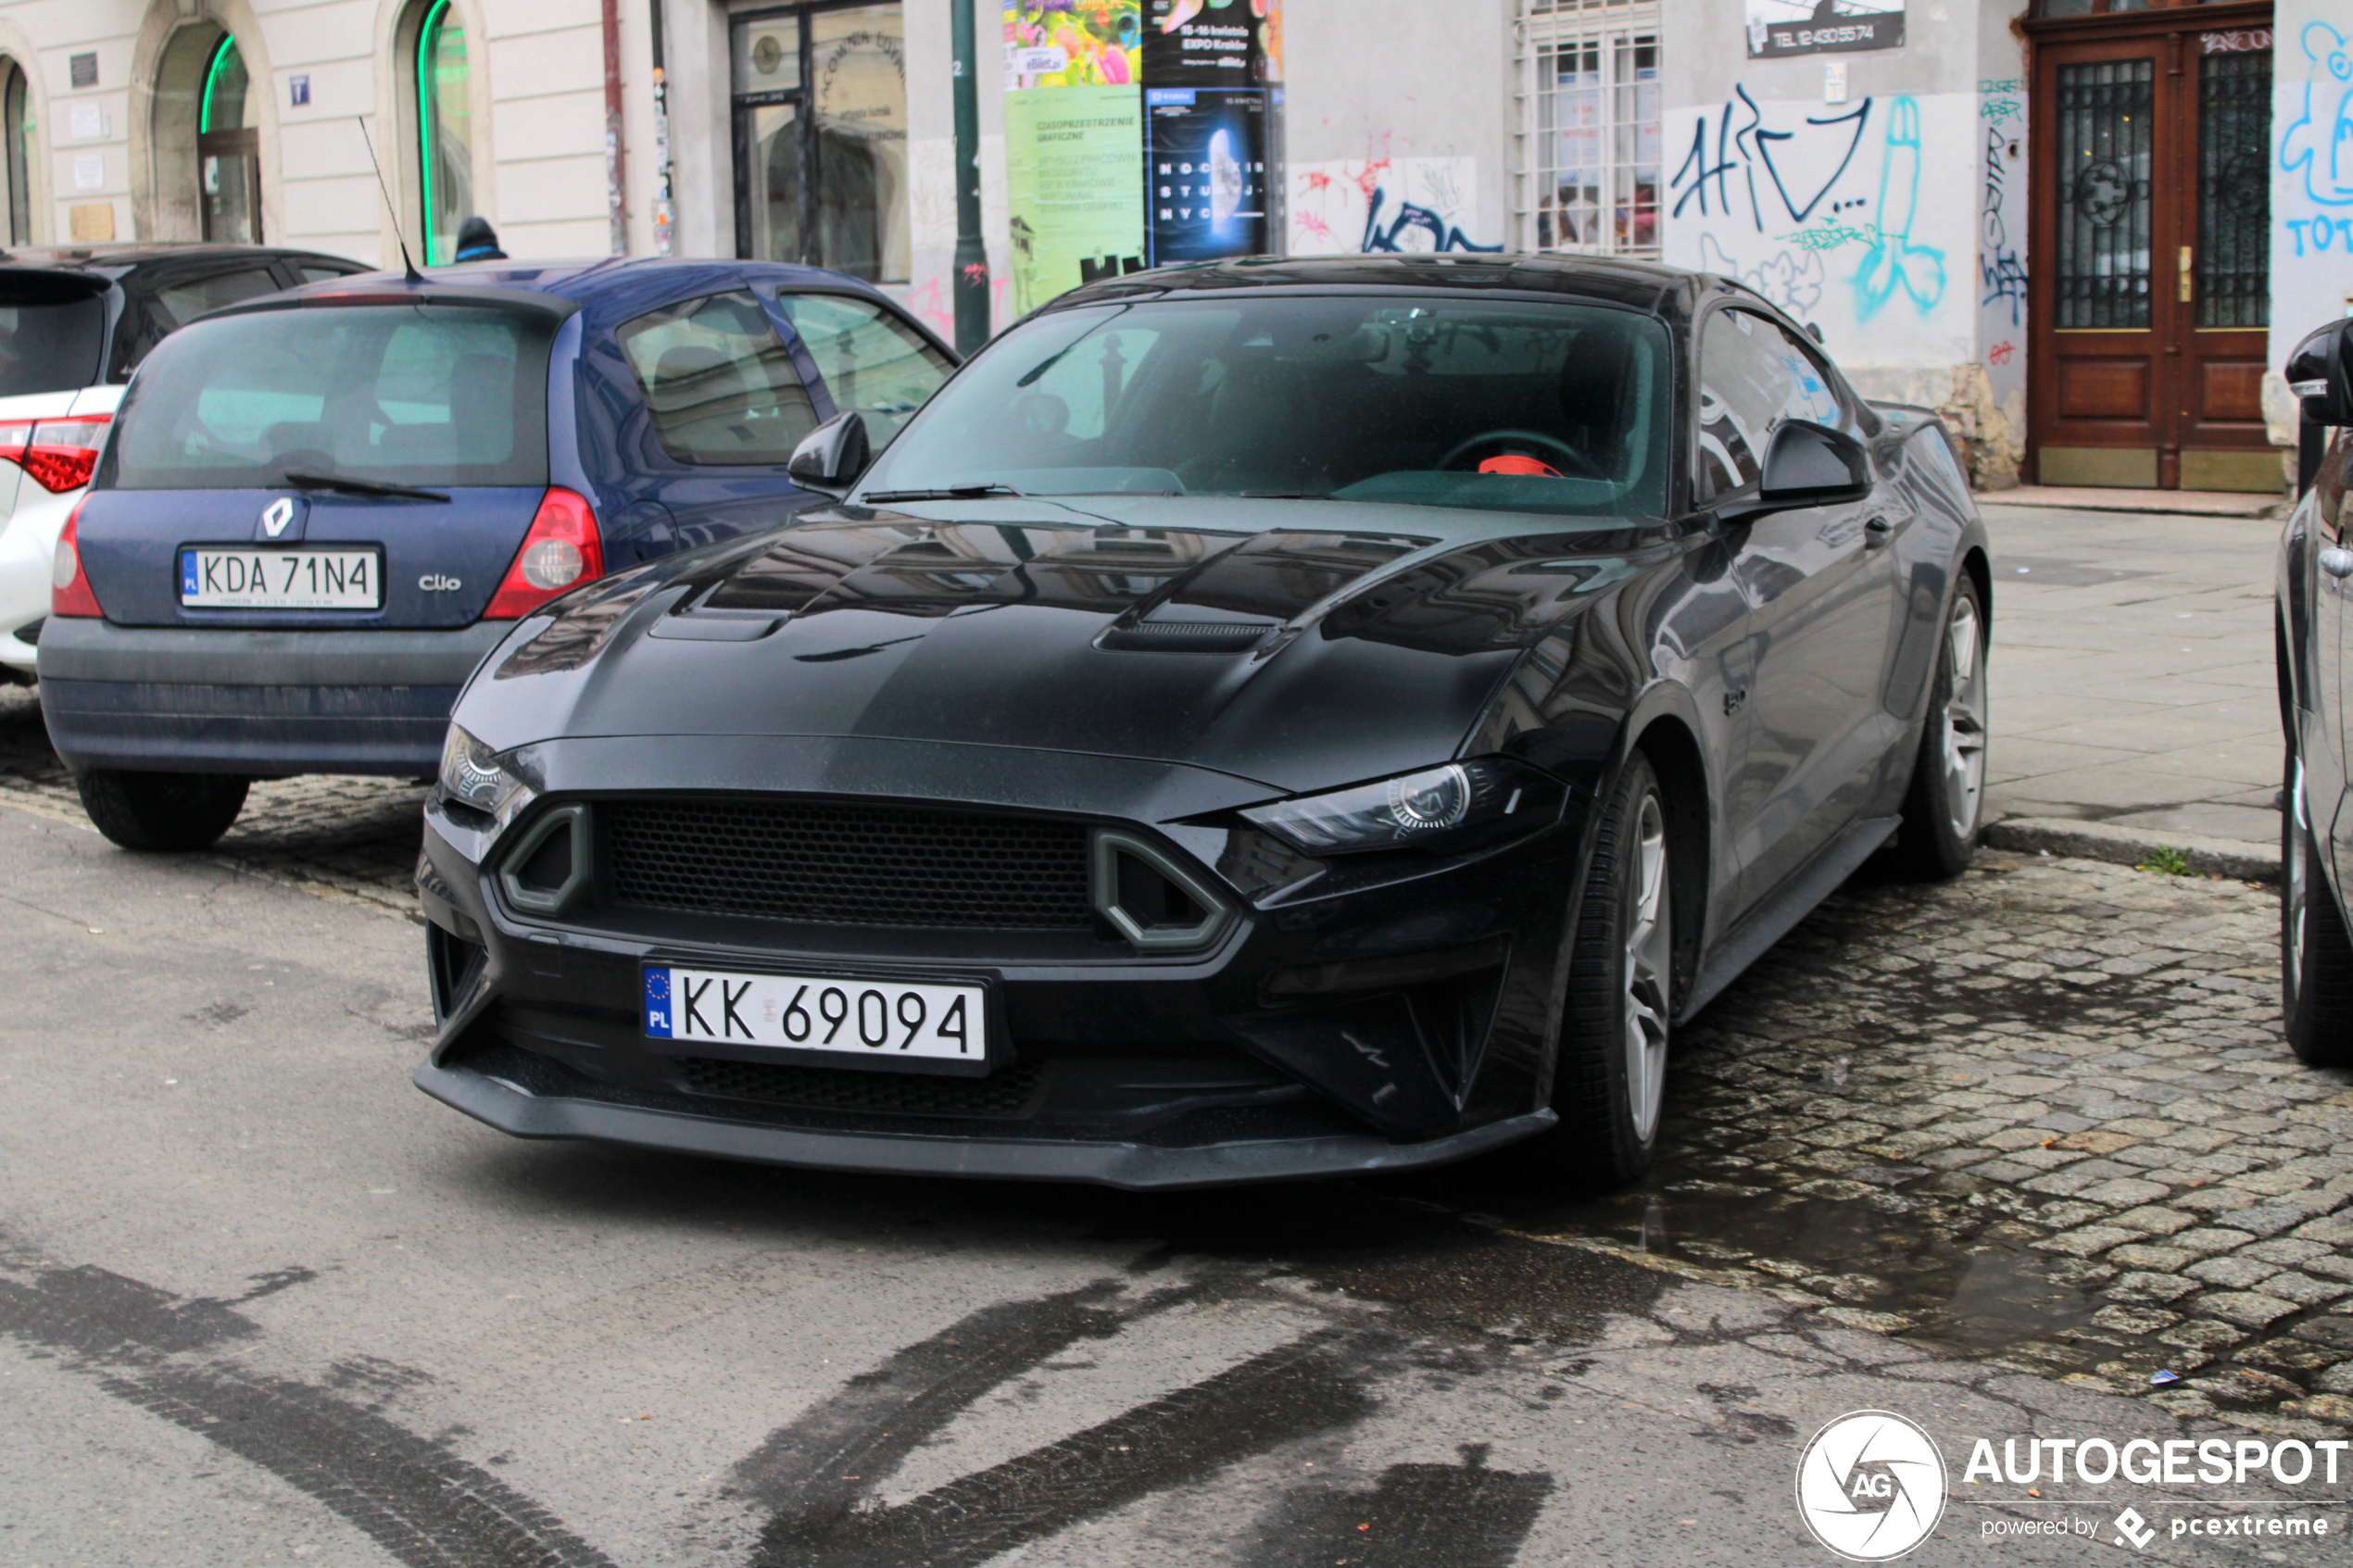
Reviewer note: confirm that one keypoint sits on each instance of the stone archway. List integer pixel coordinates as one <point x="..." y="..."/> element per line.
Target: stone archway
<point x="175" y="49"/>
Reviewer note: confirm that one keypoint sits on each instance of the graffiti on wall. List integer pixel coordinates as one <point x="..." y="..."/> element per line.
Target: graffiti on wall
<point x="1821" y="209"/>
<point x="2001" y="266"/>
<point x="2318" y="144"/>
<point x="1372" y="205"/>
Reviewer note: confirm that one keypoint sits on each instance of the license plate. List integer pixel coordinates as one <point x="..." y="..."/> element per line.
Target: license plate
<point x="281" y="580"/>
<point x="897" y="1020"/>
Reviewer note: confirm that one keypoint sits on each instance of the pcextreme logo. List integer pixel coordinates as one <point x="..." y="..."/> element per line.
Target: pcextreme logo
<point x="1870" y="1486"/>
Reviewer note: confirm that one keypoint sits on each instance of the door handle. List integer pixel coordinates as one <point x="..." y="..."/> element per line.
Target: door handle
<point x="2185" y="275"/>
<point x="1877" y="531"/>
<point x="2337" y="562"/>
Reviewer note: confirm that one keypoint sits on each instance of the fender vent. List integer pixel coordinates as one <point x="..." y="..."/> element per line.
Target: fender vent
<point x="1185" y="637"/>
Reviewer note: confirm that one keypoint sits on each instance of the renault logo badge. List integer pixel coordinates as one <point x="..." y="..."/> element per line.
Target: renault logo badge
<point x="276" y="515"/>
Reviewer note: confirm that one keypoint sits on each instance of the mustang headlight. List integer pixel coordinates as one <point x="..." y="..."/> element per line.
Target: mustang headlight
<point x="472" y="775"/>
<point x="1452" y="806"/>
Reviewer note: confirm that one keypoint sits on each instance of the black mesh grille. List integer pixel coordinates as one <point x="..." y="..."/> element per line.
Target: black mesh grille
<point x="839" y="1088"/>
<point x="851" y="865"/>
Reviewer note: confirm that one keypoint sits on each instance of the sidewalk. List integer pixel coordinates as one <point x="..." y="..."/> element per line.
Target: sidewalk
<point x="2132" y="674"/>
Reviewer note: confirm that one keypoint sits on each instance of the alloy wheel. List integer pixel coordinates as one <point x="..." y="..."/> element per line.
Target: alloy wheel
<point x="1964" y="718"/>
<point x="1650" y="951"/>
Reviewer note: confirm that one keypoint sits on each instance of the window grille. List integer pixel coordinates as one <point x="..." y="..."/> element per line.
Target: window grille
<point x="1586" y="166"/>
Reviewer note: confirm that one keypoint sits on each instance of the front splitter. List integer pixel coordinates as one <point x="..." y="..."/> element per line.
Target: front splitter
<point x="1135" y="1167"/>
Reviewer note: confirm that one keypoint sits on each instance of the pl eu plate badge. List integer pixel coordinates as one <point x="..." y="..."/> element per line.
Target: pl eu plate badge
<point x="658" y="1003"/>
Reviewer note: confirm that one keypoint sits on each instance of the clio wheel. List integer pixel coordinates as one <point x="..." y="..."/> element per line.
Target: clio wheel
<point x="162" y="811"/>
<point x="1945" y="807"/>
<point x="2316" y="956"/>
<point x="1610" y="1074"/>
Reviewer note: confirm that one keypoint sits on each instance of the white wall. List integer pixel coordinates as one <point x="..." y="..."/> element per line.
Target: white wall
<point x="539" y="126"/>
<point x="2311" y="170"/>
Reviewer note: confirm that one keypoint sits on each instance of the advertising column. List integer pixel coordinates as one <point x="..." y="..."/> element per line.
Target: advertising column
<point x="1137" y="133"/>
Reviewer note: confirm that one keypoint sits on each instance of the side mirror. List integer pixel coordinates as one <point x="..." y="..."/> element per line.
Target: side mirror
<point x="1807" y="465"/>
<point x="2317" y="374"/>
<point x="832" y="455"/>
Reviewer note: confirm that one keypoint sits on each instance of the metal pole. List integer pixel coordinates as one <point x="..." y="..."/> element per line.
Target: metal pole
<point x="663" y="217"/>
<point x="971" y="291"/>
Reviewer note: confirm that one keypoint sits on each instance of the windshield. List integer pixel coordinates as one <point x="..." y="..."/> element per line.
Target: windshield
<point x="51" y="331"/>
<point x="1520" y="406"/>
<point x="420" y="396"/>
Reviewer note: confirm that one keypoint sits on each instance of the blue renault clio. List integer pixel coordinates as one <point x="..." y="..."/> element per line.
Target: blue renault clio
<point x="319" y="509"/>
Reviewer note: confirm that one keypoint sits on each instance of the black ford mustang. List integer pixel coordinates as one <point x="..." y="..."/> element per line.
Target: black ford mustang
<point x="1268" y="719"/>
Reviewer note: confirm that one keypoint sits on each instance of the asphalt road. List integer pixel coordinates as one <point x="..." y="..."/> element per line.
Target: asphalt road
<point x="260" y="1301"/>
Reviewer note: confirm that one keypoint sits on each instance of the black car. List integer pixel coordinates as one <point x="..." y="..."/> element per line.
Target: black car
<point x="1266" y="719"/>
<point x="2316" y="848"/>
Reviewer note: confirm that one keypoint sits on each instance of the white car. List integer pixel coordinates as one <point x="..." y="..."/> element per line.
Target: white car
<point x="74" y="324"/>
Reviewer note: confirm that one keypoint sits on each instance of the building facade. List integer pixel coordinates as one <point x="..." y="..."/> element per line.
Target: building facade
<point x="2086" y="230"/>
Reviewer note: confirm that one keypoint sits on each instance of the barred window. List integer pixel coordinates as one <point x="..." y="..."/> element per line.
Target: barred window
<point x="1586" y="177"/>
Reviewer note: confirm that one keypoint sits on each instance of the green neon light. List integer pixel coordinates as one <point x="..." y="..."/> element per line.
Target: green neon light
<point x="428" y="105"/>
<point x="221" y="52"/>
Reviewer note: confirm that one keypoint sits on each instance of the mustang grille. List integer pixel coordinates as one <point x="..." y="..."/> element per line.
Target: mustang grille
<point x="851" y="865"/>
<point x="839" y="1088"/>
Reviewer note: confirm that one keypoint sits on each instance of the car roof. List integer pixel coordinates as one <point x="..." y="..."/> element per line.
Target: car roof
<point x="581" y="281"/>
<point x="114" y="260"/>
<point x="1646" y="286"/>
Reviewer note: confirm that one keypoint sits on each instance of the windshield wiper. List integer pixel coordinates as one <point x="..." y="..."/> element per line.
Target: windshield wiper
<point x="946" y="493"/>
<point x="1284" y="494"/>
<point x="360" y="486"/>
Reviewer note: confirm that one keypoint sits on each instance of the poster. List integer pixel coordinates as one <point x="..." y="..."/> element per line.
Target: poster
<point x="1206" y="156"/>
<point x="1819" y="27"/>
<point x="1213" y="44"/>
<point x="1074" y="188"/>
<point x="1073" y="43"/>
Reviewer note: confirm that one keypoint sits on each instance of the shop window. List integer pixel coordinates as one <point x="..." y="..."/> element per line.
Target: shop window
<point x="820" y="97"/>
<point x="1588" y="173"/>
<point x="445" y="132"/>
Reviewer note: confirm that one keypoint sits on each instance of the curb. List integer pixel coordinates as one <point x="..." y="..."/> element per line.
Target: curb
<point x="2130" y="847"/>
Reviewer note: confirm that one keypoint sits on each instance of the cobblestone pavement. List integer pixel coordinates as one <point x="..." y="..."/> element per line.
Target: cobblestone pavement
<point x="356" y="835"/>
<point x="2042" y="1114"/>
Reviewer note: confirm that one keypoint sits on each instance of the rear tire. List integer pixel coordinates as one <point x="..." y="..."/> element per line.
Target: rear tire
<point x="2316" y="956"/>
<point x="1944" y="809"/>
<point x="163" y="810"/>
<point x="1610" y="1074"/>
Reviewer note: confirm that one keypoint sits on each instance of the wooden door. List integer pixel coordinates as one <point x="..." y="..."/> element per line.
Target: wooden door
<point x="2150" y="266"/>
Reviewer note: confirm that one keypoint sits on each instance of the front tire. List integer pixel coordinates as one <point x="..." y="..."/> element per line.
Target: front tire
<point x="1944" y="809"/>
<point x="162" y="811"/>
<point x="2316" y="956"/>
<point x="1610" y="1068"/>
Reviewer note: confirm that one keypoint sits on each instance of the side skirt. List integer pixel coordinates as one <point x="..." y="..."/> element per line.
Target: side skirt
<point x="1773" y="919"/>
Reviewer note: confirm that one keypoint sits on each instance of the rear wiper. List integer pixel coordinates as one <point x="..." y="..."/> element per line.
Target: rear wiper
<point x="360" y="486"/>
<point x="947" y="492"/>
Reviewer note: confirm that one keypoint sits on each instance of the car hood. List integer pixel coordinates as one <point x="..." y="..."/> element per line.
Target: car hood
<point x="1292" y="644"/>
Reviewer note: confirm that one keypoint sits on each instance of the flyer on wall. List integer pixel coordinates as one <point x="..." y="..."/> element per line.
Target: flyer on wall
<point x="1821" y="26"/>
<point x="1074" y="188"/>
<point x="1205" y="160"/>
<point x="1213" y="44"/>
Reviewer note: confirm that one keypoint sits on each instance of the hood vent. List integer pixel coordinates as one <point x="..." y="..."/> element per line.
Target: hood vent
<point x="1185" y="637"/>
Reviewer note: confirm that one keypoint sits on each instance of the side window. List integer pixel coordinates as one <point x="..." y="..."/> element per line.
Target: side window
<point x="312" y="273"/>
<point x="871" y="360"/>
<point x="183" y="301"/>
<point x="1753" y="377"/>
<point x="718" y="380"/>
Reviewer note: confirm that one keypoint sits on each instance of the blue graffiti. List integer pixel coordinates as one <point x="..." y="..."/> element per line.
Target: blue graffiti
<point x="1411" y="219"/>
<point x="1895" y="262"/>
<point x="2326" y="233"/>
<point x="1738" y="152"/>
<point x="1999" y="266"/>
<point x="1861" y="115"/>
<point x="2320" y="143"/>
